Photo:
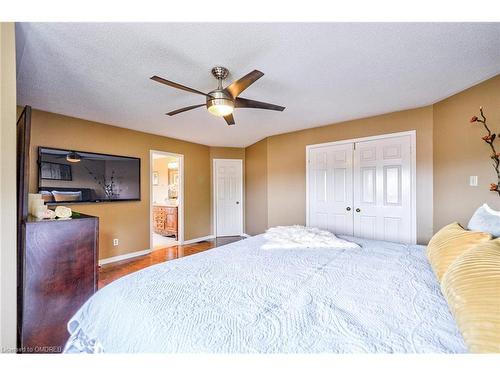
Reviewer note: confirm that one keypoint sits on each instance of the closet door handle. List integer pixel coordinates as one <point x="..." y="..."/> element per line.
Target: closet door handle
<point x="348" y="208"/>
<point x="358" y="209"/>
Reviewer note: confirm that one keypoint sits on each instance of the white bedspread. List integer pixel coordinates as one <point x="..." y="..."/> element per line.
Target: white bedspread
<point x="379" y="298"/>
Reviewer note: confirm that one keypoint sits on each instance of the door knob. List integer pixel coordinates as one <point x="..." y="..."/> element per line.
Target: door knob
<point x="237" y="202"/>
<point x="358" y="210"/>
<point x="348" y="208"/>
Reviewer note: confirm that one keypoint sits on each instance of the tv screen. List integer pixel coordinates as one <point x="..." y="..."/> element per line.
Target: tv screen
<point x="69" y="176"/>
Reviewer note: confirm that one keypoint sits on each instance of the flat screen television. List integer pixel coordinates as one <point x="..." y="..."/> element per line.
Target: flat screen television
<point x="70" y="176"/>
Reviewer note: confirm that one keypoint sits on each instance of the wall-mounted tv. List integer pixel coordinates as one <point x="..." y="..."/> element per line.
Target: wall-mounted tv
<point x="70" y="176"/>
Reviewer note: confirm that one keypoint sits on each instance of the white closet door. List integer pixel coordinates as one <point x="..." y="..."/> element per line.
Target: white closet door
<point x="330" y="188"/>
<point x="382" y="189"/>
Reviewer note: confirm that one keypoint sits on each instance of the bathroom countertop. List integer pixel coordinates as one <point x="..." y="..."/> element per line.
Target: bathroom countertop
<point x="164" y="205"/>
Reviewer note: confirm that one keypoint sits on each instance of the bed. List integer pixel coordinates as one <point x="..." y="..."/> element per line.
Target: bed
<point x="380" y="298"/>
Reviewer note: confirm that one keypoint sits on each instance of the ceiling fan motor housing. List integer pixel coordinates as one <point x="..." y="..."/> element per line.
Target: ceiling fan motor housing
<point x="220" y="72"/>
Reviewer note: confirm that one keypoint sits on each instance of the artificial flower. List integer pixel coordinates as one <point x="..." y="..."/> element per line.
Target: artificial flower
<point x="487" y="138"/>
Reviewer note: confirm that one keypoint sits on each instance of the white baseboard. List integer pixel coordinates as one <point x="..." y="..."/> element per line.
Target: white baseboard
<point x="124" y="256"/>
<point x="199" y="239"/>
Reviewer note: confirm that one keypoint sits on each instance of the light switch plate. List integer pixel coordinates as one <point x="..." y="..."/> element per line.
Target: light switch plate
<point x="473" y="180"/>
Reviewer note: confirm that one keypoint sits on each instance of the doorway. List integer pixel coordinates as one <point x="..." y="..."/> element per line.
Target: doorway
<point x="166" y="199"/>
<point x="228" y="197"/>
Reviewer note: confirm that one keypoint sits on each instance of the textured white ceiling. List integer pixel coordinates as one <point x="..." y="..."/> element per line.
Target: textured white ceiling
<point x="323" y="73"/>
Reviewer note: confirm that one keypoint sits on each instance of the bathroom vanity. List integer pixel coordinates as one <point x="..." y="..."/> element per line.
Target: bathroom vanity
<point x="165" y="218"/>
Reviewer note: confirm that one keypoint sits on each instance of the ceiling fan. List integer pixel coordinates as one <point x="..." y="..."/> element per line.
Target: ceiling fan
<point x="222" y="101"/>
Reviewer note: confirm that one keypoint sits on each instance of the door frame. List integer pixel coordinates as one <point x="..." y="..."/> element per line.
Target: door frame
<point x="413" y="153"/>
<point x="214" y="195"/>
<point x="180" y="197"/>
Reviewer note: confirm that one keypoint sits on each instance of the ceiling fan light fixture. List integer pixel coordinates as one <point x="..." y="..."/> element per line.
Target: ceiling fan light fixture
<point x="220" y="107"/>
<point x="73" y="157"/>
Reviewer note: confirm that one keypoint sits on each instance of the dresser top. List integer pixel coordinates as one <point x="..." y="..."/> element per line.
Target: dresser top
<point x="76" y="216"/>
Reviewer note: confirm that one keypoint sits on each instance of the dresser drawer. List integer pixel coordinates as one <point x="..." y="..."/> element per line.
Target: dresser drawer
<point x="159" y="215"/>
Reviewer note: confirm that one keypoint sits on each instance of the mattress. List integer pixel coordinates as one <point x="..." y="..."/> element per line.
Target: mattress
<point x="380" y="298"/>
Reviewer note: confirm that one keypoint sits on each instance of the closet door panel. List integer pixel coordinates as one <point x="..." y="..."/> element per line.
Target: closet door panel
<point x="330" y="188"/>
<point x="368" y="182"/>
<point x="367" y="226"/>
<point x="382" y="189"/>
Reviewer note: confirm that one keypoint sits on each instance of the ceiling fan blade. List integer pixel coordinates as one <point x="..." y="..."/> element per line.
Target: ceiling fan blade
<point x="249" y="103"/>
<point x="177" y="85"/>
<point x="180" y="110"/>
<point x="237" y="87"/>
<point x="229" y="119"/>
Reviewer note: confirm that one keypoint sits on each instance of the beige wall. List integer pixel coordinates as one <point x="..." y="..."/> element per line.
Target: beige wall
<point x="225" y="153"/>
<point x="127" y="221"/>
<point x="449" y="150"/>
<point x="256" y="184"/>
<point x="287" y="163"/>
<point x="459" y="153"/>
<point x="286" y="166"/>
<point x="7" y="187"/>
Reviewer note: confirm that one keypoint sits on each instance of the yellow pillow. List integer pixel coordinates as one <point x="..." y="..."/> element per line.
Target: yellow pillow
<point x="472" y="288"/>
<point x="449" y="243"/>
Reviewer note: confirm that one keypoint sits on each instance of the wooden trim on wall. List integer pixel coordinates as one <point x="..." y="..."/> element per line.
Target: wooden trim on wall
<point x="23" y="169"/>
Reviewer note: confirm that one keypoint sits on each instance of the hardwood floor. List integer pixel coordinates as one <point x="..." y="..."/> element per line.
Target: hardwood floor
<point x="113" y="271"/>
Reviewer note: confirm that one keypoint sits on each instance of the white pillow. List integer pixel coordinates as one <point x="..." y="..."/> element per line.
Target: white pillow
<point x="485" y="219"/>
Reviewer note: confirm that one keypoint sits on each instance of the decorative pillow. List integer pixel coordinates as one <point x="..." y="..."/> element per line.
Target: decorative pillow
<point x="449" y="243"/>
<point x="67" y="196"/>
<point x="485" y="219"/>
<point x="471" y="285"/>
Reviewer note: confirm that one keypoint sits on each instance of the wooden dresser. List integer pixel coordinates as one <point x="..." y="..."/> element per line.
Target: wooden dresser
<point x="165" y="220"/>
<point x="57" y="274"/>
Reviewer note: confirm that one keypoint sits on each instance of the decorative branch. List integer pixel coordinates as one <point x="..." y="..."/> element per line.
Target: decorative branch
<point x="490" y="140"/>
<point x="109" y="188"/>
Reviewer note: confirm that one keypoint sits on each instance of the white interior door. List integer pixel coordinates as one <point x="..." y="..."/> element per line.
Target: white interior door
<point x="331" y="188"/>
<point x="228" y="186"/>
<point x="382" y="189"/>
